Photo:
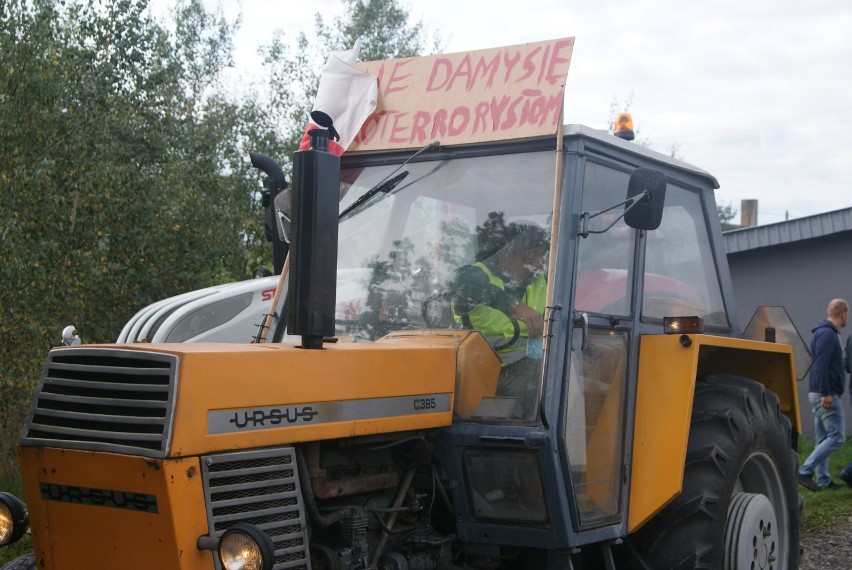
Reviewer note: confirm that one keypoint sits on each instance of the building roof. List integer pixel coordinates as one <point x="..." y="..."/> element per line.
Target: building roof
<point x="819" y="225"/>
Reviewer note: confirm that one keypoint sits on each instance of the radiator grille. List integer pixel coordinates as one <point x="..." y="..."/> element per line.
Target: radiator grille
<point x="260" y="488"/>
<point x="104" y="399"/>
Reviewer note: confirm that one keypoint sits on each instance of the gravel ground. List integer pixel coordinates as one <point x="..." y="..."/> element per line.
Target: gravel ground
<point x="829" y="551"/>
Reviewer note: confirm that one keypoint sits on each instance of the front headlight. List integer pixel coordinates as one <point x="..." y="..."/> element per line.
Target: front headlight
<point x="246" y="547"/>
<point x="13" y="518"/>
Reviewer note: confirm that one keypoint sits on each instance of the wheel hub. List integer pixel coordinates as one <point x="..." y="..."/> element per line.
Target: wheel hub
<point x="751" y="533"/>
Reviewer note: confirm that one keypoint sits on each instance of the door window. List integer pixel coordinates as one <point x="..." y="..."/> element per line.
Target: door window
<point x="604" y="260"/>
<point x="594" y="422"/>
<point x="680" y="272"/>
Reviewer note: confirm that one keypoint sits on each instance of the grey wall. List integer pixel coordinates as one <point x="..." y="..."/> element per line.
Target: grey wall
<point x="802" y="276"/>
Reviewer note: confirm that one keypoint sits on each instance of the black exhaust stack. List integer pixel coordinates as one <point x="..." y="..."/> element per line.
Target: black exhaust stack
<point x="312" y="290"/>
<point x="274" y="184"/>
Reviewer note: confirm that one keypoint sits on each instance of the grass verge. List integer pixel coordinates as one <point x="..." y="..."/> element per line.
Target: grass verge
<point x="825" y="510"/>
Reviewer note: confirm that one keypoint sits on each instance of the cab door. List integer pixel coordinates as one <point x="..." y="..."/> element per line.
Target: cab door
<point x="598" y="358"/>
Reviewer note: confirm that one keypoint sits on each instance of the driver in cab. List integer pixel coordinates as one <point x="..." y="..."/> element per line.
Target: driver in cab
<point x="503" y="297"/>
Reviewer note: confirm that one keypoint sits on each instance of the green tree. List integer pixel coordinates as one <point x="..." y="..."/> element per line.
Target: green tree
<point x="727" y="213"/>
<point x="123" y="173"/>
<point x="383" y="27"/>
<point x="124" y="176"/>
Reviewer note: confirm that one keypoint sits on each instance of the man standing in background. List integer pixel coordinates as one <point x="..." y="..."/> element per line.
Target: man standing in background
<point x="846" y="474"/>
<point x="825" y="388"/>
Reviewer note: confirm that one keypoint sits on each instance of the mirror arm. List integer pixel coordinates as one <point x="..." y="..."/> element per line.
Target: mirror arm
<point x="586" y="216"/>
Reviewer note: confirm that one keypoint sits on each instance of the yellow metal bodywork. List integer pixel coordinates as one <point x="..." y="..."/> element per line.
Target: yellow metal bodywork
<point x="665" y="387"/>
<point x="478" y="371"/>
<point x="243" y="376"/>
<point x="70" y="535"/>
<point x="230" y="377"/>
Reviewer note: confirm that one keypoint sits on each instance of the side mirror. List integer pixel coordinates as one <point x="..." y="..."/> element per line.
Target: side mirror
<point x="646" y="196"/>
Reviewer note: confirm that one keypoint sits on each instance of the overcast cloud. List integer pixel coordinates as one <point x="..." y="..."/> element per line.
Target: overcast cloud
<point x="755" y="92"/>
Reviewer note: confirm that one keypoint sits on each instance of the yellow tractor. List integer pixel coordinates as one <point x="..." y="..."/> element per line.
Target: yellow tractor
<point x="385" y="429"/>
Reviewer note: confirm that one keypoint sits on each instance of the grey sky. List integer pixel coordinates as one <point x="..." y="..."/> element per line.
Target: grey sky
<point x="756" y="92"/>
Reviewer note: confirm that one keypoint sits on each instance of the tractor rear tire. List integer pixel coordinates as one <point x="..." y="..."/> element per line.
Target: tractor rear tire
<point x="739" y="507"/>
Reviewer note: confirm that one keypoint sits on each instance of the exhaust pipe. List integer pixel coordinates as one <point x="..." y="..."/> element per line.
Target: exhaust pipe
<point x="312" y="288"/>
<point x="274" y="184"/>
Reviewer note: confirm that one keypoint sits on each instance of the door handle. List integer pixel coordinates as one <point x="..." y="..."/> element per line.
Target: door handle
<point x="582" y="320"/>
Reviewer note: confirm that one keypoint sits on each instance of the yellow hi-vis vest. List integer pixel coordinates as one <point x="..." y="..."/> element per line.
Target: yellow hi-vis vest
<point x="506" y="335"/>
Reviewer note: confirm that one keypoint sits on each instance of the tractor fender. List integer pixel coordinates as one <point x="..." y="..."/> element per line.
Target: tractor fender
<point x="668" y="368"/>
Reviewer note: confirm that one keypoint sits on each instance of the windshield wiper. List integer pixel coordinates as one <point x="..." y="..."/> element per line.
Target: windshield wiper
<point x="385" y="186"/>
<point x="387" y="183"/>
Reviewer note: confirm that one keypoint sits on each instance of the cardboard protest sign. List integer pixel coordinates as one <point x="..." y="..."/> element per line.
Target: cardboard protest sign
<point x="469" y="97"/>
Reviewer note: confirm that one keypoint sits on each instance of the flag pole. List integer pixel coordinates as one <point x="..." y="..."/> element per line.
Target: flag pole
<point x="266" y="323"/>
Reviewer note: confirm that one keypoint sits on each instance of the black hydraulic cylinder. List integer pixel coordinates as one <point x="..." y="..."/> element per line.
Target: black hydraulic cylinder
<point x="312" y="290"/>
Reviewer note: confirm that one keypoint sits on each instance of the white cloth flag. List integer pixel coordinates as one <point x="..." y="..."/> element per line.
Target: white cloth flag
<point x="347" y="95"/>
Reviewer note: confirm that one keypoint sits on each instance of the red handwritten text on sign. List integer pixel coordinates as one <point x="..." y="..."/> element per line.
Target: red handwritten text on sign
<point x="487" y="95"/>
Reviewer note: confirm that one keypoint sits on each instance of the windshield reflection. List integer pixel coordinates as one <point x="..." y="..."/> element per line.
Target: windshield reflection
<point x="399" y="251"/>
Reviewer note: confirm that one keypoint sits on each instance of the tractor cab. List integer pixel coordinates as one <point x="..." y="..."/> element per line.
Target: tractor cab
<point x="567" y="429"/>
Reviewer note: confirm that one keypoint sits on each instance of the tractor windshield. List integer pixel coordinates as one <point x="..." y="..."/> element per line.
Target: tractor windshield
<point x="458" y="243"/>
